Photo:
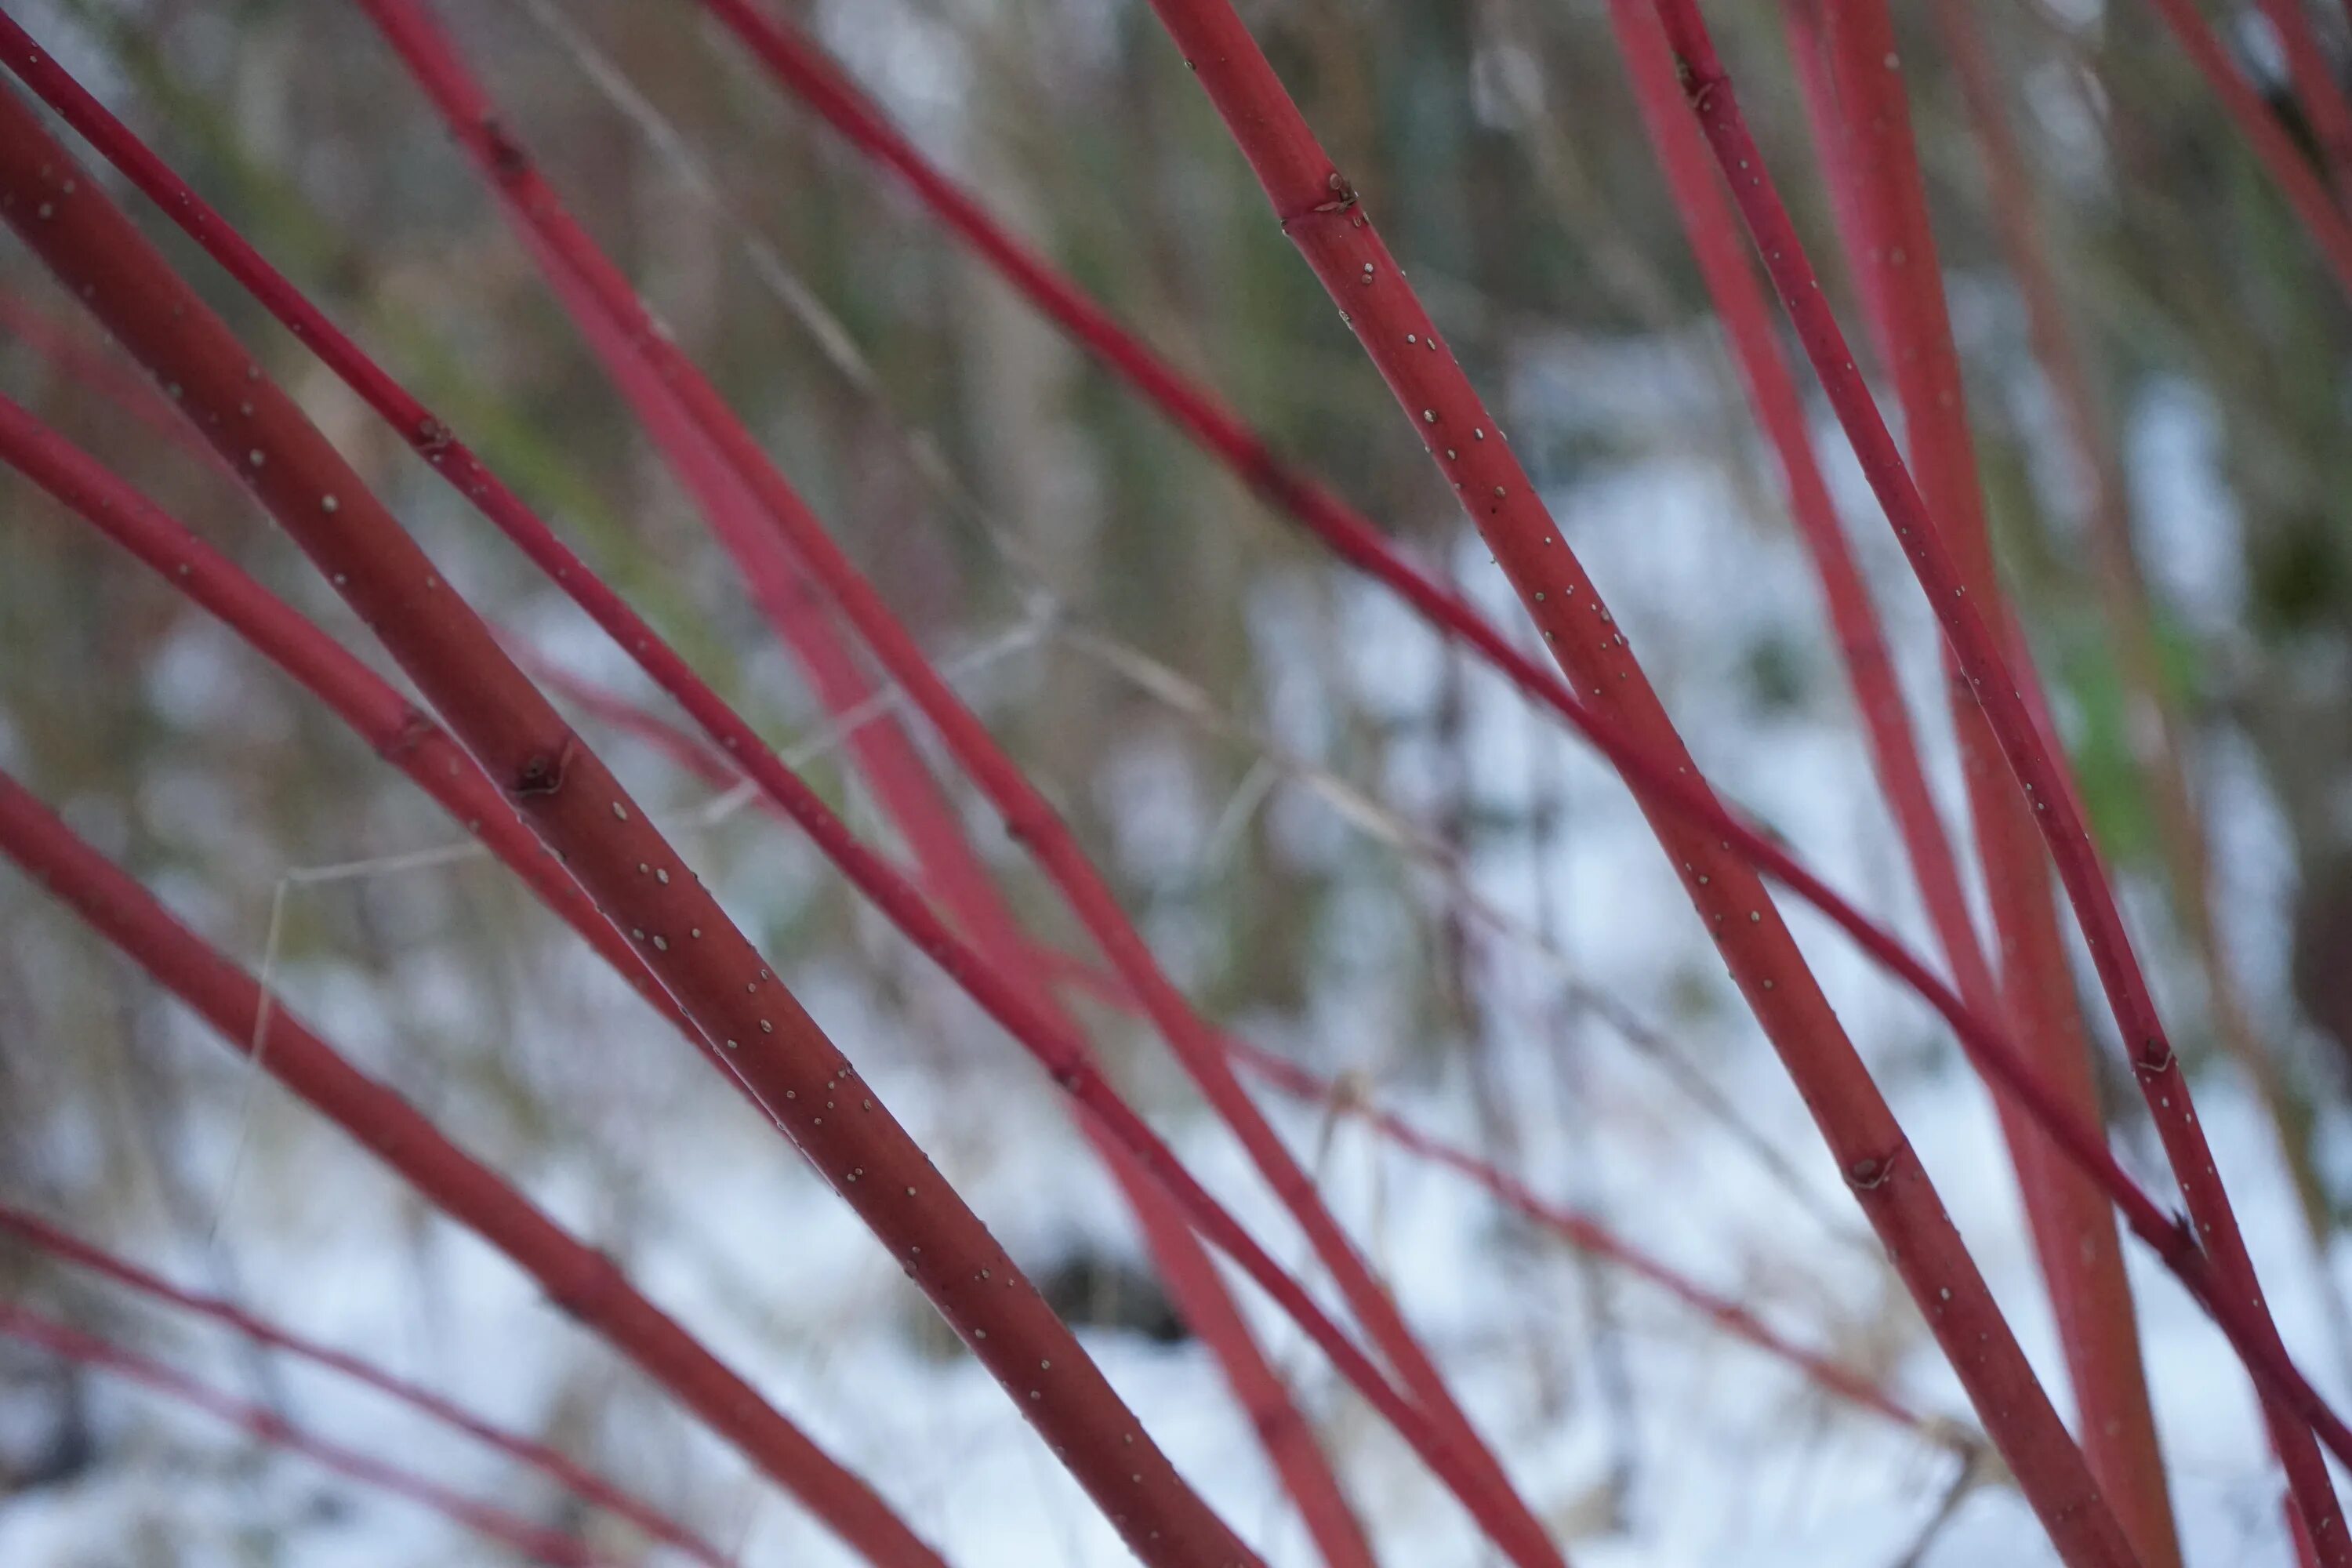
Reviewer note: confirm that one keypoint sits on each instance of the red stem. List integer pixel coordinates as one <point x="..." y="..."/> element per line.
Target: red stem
<point x="400" y="732"/>
<point x="867" y="128"/>
<point x="412" y="740"/>
<point x="1978" y="656"/>
<point x="1745" y="311"/>
<point x="588" y="1285"/>
<point x="1583" y="1231"/>
<point x="1028" y="816"/>
<point x="1324" y="218"/>
<point x="802" y="69"/>
<point x="618" y="714"/>
<point x="2322" y="95"/>
<point x="1863" y="128"/>
<point x="1361" y="546"/>
<point x="537" y="1542"/>
<point x="582" y="1482"/>
<point x="101" y="373"/>
<point x="582" y="1280"/>
<point x="1356" y="541"/>
<point x="2302" y="187"/>
<point x="1577" y="1228"/>
<point x="2156" y="728"/>
<point x="579" y="810"/>
<point x="887" y="756"/>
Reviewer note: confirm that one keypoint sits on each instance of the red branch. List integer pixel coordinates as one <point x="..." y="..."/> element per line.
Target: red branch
<point x="886" y="755"/>
<point x="1324" y="216"/>
<point x="1358" y="543"/>
<point x="2305" y="191"/>
<point x="1979" y="655"/>
<point x="1862" y="124"/>
<point x="1029" y="818"/>
<point x="577" y="1478"/>
<point x="1746" y="312"/>
<point x="580" y="812"/>
<point x="537" y="1542"/>
<point x="2313" y="76"/>
<point x="1361" y="547"/>
<point x="582" y="1280"/>
<point x="1585" y="1233"/>
<point x="400" y="732"/>
<point x="1579" y="1229"/>
<point x="412" y="742"/>
<point x="2156" y="728"/>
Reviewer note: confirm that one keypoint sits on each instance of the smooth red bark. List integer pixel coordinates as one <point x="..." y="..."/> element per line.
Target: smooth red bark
<point x="1977" y="649"/>
<point x="537" y="1542"/>
<point x="575" y="1477"/>
<point x="2156" y="728"/>
<point x="412" y="742"/>
<point x="884" y="754"/>
<point x="579" y="810"/>
<point x="2305" y="192"/>
<point x="1323" y="214"/>
<point x="1863" y="128"/>
<point x="581" y="1279"/>
<point x="1029" y="818"/>
<point x="1361" y="547"/>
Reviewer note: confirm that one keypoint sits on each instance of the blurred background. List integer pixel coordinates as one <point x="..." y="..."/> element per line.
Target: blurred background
<point x="1348" y="842"/>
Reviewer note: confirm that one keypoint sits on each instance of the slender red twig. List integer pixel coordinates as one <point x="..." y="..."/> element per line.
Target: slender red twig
<point x="1579" y="1229"/>
<point x="2158" y="732"/>
<point x="1746" y="314"/>
<point x="1980" y="656"/>
<point x="574" y="1476"/>
<point x="1355" y="540"/>
<point x="1747" y="317"/>
<point x="412" y="740"/>
<point x="400" y="732"/>
<point x="102" y="372"/>
<point x="418" y="746"/>
<point x="536" y="1541"/>
<point x="805" y="74"/>
<point x="231" y="1001"/>
<point x="1583" y="1231"/>
<point x="2316" y="88"/>
<point x="624" y="717"/>
<point x="1992" y="1053"/>
<point x="1323" y="214"/>
<point x="1587" y="1234"/>
<point x="466" y="110"/>
<point x="579" y="810"/>
<point x="1863" y="128"/>
<point x="582" y="1280"/>
<point x="2305" y="191"/>
<point x="886" y="755"/>
<point x="800" y="67"/>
